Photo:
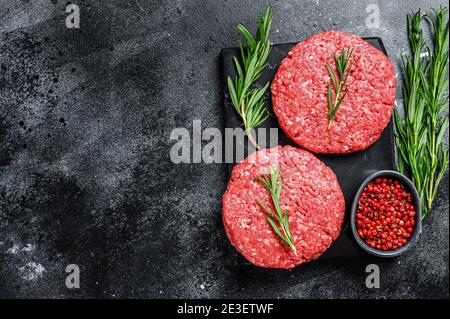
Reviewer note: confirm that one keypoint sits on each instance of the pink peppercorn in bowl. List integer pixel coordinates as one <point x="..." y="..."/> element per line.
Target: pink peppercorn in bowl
<point x="385" y="215"/>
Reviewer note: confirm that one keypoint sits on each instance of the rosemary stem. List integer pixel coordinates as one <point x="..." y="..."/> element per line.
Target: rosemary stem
<point x="244" y="115"/>
<point x="252" y="139"/>
<point x="329" y="122"/>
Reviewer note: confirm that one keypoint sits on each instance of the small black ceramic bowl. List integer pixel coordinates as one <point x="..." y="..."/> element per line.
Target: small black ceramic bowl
<point x="417" y="206"/>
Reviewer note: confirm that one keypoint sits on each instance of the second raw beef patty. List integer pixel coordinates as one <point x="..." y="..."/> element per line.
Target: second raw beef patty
<point x="311" y="194"/>
<point x="299" y="94"/>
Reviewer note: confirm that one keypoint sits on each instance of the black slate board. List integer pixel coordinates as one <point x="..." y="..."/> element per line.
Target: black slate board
<point x="350" y="169"/>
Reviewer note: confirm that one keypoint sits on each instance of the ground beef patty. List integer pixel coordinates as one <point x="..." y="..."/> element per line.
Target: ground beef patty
<point x="299" y="94"/>
<point x="311" y="194"/>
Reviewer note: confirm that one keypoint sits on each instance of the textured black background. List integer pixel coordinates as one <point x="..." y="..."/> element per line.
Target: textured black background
<point x="85" y="175"/>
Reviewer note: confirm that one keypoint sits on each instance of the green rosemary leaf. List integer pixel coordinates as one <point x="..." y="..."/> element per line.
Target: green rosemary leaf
<point x="233" y="95"/>
<point x="275" y="228"/>
<point x="330" y="99"/>
<point x="258" y="94"/>
<point x="264" y="182"/>
<point x="333" y="76"/>
<point x="247" y="35"/>
<point x="267" y="209"/>
<point x="341" y="99"/>
<point x="441" y="133"/>
<point x="286" y="222"/>
<point x="238" y="67"/>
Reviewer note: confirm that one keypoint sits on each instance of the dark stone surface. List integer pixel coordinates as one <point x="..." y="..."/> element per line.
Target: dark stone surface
<point x="85" y="174"/>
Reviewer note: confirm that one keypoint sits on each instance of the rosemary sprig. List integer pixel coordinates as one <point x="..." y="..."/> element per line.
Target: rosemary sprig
<point x="411" y="131"/>
<point x="247" y="99"/>
<point x="278" y="219"/>
<point x="339" y="82"/>
<point x="420" y="132"/>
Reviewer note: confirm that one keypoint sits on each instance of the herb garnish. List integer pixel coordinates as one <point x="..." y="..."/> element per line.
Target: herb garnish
<point x="247" y="99"/>
<point x="420" y="132"/>
<point x="339" y="81"/>
<point x="278" y="219"/>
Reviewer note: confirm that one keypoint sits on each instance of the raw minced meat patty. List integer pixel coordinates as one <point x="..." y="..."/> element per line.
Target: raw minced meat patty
<point x="311" y="194"/>
<point x="299" y="94"/>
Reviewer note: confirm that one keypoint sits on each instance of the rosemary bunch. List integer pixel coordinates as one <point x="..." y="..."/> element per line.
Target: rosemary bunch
<point x="278" y="219"/>
<point x="435" y="86"/>
<point x="420" y="132"/>
<point x="247" y="99"/>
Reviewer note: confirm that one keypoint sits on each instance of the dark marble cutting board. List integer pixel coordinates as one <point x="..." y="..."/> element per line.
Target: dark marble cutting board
<point x="350" y="169"/>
